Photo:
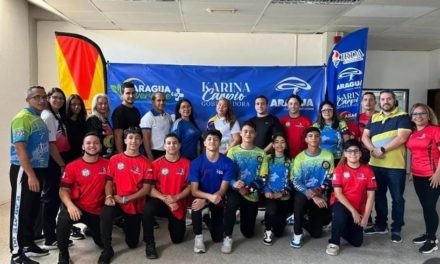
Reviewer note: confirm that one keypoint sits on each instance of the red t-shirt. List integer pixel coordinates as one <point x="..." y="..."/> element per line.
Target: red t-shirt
<point x="129" y="174"/>
<point x="424" y="145"/>
<point x="87" y="183"/>
<point x="363" y="122"/>
<point x="294" y="129"/>
<point x="172" y="178"/>
<point x="354" y="183"/>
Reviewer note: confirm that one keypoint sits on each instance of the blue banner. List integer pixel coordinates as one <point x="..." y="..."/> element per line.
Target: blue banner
<point x="345" y="74"/>
<point x="205" y="85"/>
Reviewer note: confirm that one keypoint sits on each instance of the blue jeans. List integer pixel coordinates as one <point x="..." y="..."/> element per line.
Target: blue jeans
<point x="394" y="180"/>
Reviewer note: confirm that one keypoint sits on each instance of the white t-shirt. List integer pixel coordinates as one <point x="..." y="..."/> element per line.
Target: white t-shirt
<point x="160" y="126"/>
<point x="51" y="123"/>
<point x="227" y="131"/>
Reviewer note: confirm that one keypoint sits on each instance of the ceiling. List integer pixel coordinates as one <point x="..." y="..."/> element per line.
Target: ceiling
<point x="410" y="25"/>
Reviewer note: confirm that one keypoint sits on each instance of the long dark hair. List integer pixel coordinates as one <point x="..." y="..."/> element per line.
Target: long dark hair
<point x="229" y="116"/>
<point x="82" y="115"/>
<point x="62" y="111"/>
<point x="178" y="115"/>
<point x="286" y="150"/>
<point x="335" y="119"/>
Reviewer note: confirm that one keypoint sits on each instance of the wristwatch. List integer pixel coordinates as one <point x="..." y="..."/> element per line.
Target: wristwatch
<point x="383" y="150"/>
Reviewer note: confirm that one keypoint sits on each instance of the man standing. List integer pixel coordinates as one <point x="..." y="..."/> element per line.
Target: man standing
<point x="125" y="115"/>
<point x="82" y="194"/>
<point x="368" y="109"/>
<point x="29" y="161"/>
<point x="294" y="125"/>
<point x="265" y="124"/>
<point x="155" y="124"/>
<point x="385" y="137"/>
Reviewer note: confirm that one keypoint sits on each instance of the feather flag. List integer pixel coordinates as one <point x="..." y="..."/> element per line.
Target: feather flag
<point x="81" y="66"/>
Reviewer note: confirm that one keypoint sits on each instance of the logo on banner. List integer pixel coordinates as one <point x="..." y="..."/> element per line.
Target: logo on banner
<point x="235" y="92"/>
<point x="297" y="85"/>
<point x="350" y="73"/>
<point x="145" y="91"/>
<point x="347" y="57"/>
<point x="348" y="99"/>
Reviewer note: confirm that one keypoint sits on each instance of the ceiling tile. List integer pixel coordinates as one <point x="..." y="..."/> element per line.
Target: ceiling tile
<point x="388" y="11"/>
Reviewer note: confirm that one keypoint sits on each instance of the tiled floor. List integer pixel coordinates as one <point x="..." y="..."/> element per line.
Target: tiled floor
<point x="376" y="249"/>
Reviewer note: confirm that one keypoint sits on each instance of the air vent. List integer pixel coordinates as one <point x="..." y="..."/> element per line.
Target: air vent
<point x="316" y="2"/>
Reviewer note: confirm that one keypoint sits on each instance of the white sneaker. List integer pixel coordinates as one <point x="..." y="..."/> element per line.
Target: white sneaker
<point x="296" y="241"/>
<point x="199" y="245"/>
<point x="227" y="245"/>
<point x="268" y="236"/>
<point x="332" y="249"/>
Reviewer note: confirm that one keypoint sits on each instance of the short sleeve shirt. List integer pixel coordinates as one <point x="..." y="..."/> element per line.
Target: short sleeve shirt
<point x="265" y="127"/>
<point x="160" y="126"/>
<point x="226" y="129"/>
<point x="294" y="129"/>
<point x="190" y="137"/>
<point x="124" y="117"/>
<point x="424" y="146"/>
<point x="331" y="138"/>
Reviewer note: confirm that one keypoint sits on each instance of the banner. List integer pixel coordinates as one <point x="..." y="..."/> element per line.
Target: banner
<point x="81" y="66"/>
<point x="345" y="74"/>
<point x="205" y="85"/>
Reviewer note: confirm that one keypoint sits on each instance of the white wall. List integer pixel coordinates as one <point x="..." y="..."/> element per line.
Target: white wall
<point x="14" y="76"/>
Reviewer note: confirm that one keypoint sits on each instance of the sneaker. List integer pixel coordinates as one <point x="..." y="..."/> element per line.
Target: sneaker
<point x="150" y="250"/>
<point x="268" y="236"/>
<point x="156" y="224"/>
<point x="422" y="239"/>
<point x="35" y="251"/>
<point x="88" y="232"/>
<point x="332" y="249"/>
<point x="63" y="258"/>
<point x="199" y="245"/>
<point x="375" y="230"/>
<point x="428" y="247"/>
<point x="290" y="220"/>
<point x="22" y="259"/>
<point x="106" y="256"/>
<point x="396" y="238"/>
<point x="296" y="241"/>
<point x="75" y="233"/>
<point x="227" y="245"/>
<point x="54" y="245"/>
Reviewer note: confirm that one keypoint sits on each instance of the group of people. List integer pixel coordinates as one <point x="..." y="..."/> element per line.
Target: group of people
<point x="68" y="168"/>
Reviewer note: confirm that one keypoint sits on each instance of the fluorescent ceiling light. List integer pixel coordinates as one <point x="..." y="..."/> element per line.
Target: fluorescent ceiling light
<point x="221" y="10"/>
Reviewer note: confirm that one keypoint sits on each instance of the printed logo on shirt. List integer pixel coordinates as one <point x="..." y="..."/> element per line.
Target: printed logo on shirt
<point x="299" y="124"/>
<point x="421" y="136"/>
<point x="164" y="171"/>
<point x="102" y="170"/>
<point x="260" y="159"/>
<point x="85" y="172"/>
<point x="135" y="169"/>
<point x="326" y="165"/>
<point x="287" y="164"/>
<point x="180" y="171"/>
<point x="346" y="174"/>
<point x="361" y="176"/>
<point x="219" y="172"/>
<point x="287" y="124"/>
<point x="120" y="166"/>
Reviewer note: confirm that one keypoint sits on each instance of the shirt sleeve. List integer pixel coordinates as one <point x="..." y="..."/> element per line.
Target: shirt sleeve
<point x="235" y="128"/>
<point x="337" y="177"/>
<point x="176" y="128"/>
<point x="118" y="119"/>
<point x="437" y="136"/>
<point x="147" y="121"/>
<point x="149" y="177"/>
<point x="231" y="171"/>
<point x="194" y="171"/>
<point x="20" y="130"/>
<point x="68" y="177"/>
<point x="297" y="180"/>
<point x="404" y="123"/>
<point x="52" y="125"/>
<point x="111" y="169"/>
<point x="230" y="156"/>
<point x="371" y="184"/>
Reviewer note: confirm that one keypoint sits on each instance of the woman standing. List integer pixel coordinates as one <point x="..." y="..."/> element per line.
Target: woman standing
<point x="98" y="123"/>
<point x="186" y="129"/>
<point x="424" y="144"/>
<point x="333" y="131"/>
<point x="226" y="122"/>
<point x="76" y="125"/>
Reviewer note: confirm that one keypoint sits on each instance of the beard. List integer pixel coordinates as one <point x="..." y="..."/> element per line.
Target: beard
<point x="91" y="154"/>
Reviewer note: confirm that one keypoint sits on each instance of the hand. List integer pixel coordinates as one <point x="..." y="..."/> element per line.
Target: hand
<point x="364" y="222"/>
<point x="74" y="212"/>
<point x="310" y="193"/>
<point x="110" y="202"/>
<point x="268" y="195"/>
<point x="169" y="199"/>
<point x="239" y="184"/>
<point x="173" y="206"/>
<point x="62" y="168"/>
<point x="357" y="218"/>
<point x="277" y="195"/>
<point x="34" y="184"/>
<point x="319" y="202"/>
<point x="215" y="198"/>
<point x="377" y="153"/>
<point x="243" y="191"/>
<point x="435" y="180"/>
<point x="198" y="204"/>
<point x="117" y="199"/>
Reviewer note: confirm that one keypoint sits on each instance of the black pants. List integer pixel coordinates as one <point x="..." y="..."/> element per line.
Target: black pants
<point x="65" y="223"/>
<point x="248" y="214"/>
<point x="343" y="226"/>
<point x="275" y="216"/>
<point x="317" y="217"/>
<point x="25" y="205"/>
<point x="216" y="227"/>
<point x="155" y="207"/>
<point x="132" y="226"/>
<point x="428" y="198"/>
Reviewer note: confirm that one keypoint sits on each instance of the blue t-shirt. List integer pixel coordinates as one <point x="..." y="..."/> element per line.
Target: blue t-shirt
<point x="209" y="174"/>
<point x="189" y="137"/>
<point x="331" y="139"/>
<point x="277" y="172"/>
<point x="28" y="127"/>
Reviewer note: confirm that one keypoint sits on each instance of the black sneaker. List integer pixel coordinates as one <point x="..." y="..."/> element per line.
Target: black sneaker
<point x="54" y="245"/>
<point x="63" y="258"/>
<point x="150" y="250"/>
<point x="395" y="237"/>
<point x="22" y="259"/>
<point x="106" y="256"/>
<point x="375" y="230"/>
<point x="75" y="233"/>
<point x="35" y="251"/>
<point x="428" y="247"/>
<point x="156" y="224"/>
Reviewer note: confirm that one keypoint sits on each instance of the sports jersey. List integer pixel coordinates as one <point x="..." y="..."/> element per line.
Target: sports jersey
<point x="424" y="146"/>
<point x="265" y="127"/>
<point x="249" y="162"/>
<point x="226" y="129"/>
<point x="129" y="174"/>
<point x="87" y="183"/>
<point x="331" y="139"/>
<point x="354" y="183"/>
<point x="124" y="117"/>
<point x="171" y="178"/>
<point x="28" y="127"/>
<point x="190" y="137"/>
<point x="310" y="172"/>
<point x="159" y="124"/>
<point x="276" y="172"/>
<point x="294" y="129"/>
<point x="363" y="122"/>
<point x="209" y="174"/>
<point x="383" y="129"/>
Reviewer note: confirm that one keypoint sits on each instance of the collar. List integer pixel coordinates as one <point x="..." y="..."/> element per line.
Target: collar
<point x="32" y="111"/>
<point x="156" y="113"/>
<point x="395" y="111"/>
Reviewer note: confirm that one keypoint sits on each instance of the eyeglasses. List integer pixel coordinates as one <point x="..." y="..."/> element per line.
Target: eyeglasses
<point x="60" y="98"/>
<point x="327" y="110"/>
<point x="419" y="113"/>
<point x="38" y="97"/>
<point x="353" y="151"/>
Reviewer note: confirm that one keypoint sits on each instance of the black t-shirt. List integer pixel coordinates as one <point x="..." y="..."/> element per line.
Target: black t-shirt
<point x="124" y="117"/>
<point x="76" y="130"/>
<point x="266" y="127"/>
